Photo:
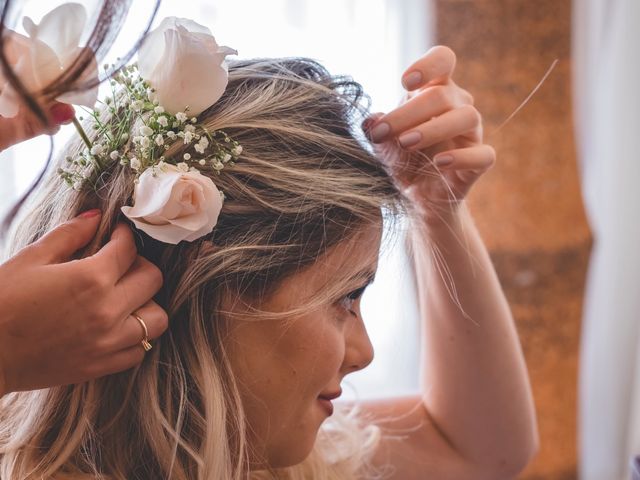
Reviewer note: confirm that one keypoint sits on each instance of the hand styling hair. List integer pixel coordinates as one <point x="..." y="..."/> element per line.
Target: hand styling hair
<point x="109" y="21"/>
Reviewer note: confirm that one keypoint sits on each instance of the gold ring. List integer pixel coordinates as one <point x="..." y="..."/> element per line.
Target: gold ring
<point x="145" y="341"/>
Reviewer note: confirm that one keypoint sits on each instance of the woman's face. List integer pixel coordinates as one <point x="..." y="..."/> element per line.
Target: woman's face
<point x="283" y="365"/>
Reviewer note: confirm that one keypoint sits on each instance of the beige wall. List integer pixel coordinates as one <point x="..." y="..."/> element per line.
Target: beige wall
<point x="529" y="207"/>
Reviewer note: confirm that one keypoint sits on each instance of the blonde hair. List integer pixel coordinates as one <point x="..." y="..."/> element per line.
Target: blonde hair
<point x="304" y="183"/>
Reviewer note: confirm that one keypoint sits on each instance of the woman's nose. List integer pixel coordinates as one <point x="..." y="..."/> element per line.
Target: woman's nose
<point x="358" y="347"/>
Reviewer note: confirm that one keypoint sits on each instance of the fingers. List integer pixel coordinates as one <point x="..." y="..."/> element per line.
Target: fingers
<point x="429" y="103"/>
<point x="138" y="285"/>
<point x="434" y="67"/>
<point x="479" y="158"/>
<point x="117" y="256"/>
<point x="62" y="242"/>
<point x="451" y="124"/>
<point x="119" y="362"/>
<point x="26" y="124"/>
<point x="129" y="332"/>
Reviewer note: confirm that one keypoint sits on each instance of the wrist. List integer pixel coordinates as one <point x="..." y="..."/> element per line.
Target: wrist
<point x="444" y="219"/>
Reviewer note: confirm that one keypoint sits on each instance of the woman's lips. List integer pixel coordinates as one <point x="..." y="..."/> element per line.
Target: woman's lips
<point x="326" y="405"/>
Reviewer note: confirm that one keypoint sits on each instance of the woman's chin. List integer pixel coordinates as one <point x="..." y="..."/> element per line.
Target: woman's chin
<point x="294" y="451"/>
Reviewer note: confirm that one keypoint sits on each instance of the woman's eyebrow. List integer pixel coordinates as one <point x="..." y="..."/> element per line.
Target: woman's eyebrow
<point x="365" y="275"/>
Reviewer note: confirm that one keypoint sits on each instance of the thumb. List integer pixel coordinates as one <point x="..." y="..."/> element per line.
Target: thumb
<point x="62" y="242"/>
<point x="26" y="124"/>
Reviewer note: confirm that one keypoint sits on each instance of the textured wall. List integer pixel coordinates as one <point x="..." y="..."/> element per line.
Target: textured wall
<point x="528" y="207"/>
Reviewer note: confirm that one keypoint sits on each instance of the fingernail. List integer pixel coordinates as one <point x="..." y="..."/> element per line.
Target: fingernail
<point x="443" y="160"/>
<point x="412" y="80"/>
<point x="90" y="213"/>
<point x="409" y="139"/>
<point x="62" y="113"/>
<point x="380" y="131"/>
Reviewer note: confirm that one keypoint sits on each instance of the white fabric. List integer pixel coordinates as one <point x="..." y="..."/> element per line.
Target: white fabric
<point x="607" y="105"/>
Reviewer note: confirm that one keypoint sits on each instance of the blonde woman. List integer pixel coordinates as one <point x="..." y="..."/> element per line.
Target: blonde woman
<point x="264" y="316"/>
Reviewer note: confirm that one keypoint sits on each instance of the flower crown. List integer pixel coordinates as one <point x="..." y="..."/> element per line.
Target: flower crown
<point x="153" y="104"/>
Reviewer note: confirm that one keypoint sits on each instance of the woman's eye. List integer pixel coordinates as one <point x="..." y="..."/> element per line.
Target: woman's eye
<point x="351" y="298"/>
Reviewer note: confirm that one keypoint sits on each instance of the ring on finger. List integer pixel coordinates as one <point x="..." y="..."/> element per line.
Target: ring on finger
<point x="145" y="340"/>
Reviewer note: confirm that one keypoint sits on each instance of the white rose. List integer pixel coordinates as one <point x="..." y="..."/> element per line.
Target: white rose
<point x="183" y="63"/>
<point x="174" y="205"/>
<point x="41" y="57"/>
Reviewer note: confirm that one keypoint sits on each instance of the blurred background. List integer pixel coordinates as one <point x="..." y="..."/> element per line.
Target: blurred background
<point x="559" y="212"/>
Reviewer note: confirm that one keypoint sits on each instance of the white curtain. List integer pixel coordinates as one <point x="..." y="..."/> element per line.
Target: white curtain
<point x="607" y="106"/>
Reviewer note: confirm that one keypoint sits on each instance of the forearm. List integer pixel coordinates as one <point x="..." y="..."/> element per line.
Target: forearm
<point x="473" y="375"/>
<point x="3" y="392"/>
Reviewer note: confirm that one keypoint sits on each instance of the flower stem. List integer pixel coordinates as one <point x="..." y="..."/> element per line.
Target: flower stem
<point x="86" y="141"/>
<point x="82" y="133"/>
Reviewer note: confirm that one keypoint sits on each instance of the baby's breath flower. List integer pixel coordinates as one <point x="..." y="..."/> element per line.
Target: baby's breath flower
<point x="146" y="131"/>
<point x="137" y="105"/>
<point x="217" y="165"/>
<point x="202" y="145"/>
<point x="135" y="163"/>
<point x="97" y="149"/>
<point x="188" y="137"/>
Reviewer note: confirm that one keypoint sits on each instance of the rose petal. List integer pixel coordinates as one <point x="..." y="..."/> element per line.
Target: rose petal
<point x="30" y="59"/>
<point x="164" y="233"/>
<point x="60" y="29"/>
<point x="152" y="193"/>
<point x="151" y="52"/>
<point x="87" y="97"/>
<point x="190" y="74"/>
<point x="175" y="205"/>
